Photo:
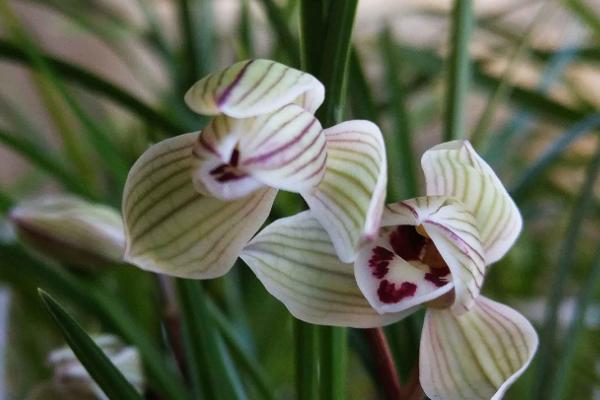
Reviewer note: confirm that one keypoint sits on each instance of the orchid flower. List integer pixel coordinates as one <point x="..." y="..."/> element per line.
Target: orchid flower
<point x="432" y="251"/>
<point x="192" y="202"/>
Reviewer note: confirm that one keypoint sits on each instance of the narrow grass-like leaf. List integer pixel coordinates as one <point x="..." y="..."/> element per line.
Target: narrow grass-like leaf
<point x="359" y="91"/>
<point x="97" y="364"/>
<point x="528" y="177"/>
<point x="337" y="22"/>
<point x="403" y="174"/>
<point x="571" y="340"/>
<point x="6" y="202"/>
<point x="280" y="27"/>
<point x="206" y="356"/>
<point x="96" y="134"/>
<point x="238" y="347"/>
<point x="94" y="83"/>
<point x="459" y="70"/>
<point x="196" y="21"/>
<point x="504" y="85"/>
<point x="245" y="31"/>
<point x="41" y="159"/>
<point x="586" y="14"/>
<point x="102" y="304"/>
<point x="567" y="252"/>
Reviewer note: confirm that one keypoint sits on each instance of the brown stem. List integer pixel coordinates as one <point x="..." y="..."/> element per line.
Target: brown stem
<point x="172" y="320"/>
<point x="412" y="390"/>
<point x="384" y="363"/>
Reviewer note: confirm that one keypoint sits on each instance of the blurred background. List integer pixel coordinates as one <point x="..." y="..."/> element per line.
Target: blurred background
<point x="86" y="85"/>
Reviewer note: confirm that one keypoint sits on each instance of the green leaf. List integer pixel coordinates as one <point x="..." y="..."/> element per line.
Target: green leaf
<point x="206" y="354"/>
<point x="96" y="84"/>
<point x="103" y="305"/>
<point x="97" y="364"/>
<point x="281" y="29"/>
<point x="567" y="252"/>
<point x="41" y="159"/>
<point x="196" y="20"/>
<point x="459" y="70"/>
<point x="527" y="178"/>
<point x="402" y="170"/>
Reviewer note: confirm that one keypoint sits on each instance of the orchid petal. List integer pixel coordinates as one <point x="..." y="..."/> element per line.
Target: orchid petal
<point x="254" y="87"/>
<point x="173" y="229"/>
<point x="476" y="355"/>
<point x="455" y="169"/>
<point x="349" y="200"/>
<point x="296" y="262"/>
<point x="454" y="233"/>
<point x="285" y="149"/>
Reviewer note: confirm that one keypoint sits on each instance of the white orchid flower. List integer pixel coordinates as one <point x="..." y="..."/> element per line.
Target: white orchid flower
<point x="431" y="251"/>
<point x="191" y="203"/>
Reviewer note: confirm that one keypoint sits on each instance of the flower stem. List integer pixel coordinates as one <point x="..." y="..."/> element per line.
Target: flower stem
<point x="307" y="360"/>
<point x="384" y="362"/>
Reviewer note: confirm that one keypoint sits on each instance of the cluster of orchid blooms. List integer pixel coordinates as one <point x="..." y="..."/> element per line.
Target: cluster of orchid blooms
<point x="194" y="203"/>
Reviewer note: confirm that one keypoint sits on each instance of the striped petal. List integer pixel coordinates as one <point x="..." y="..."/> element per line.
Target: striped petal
<point x="477" y="355"/>
<point x="173" y="229"/>
<point x="349" y="200"/>
<point x="285" y="149"/>
<point x="455" y="169"/>
<point x="254" y="87"/>
<point x="429" y="246"/>
<point x="296" y="262"/>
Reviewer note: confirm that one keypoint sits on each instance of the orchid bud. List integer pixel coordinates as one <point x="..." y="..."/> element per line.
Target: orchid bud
<point x="71" y="376"/>
<point x="70" y="229"/>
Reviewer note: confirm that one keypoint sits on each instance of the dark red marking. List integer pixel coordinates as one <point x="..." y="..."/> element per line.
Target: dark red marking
<point x="388" y="292"/>
<point x="379" y="261"/>
<point x="407" y="242"/>
<point x="438" y="276"/>
<point x="225" y="95"/>
<point x="235" y="158"/>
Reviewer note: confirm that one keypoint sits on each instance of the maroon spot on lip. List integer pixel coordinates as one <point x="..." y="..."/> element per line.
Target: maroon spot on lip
<point x="438" y="276"/>
<point x="388" y="292"/>
<point x="407" y="242"/>
<point x="379" y="261"/>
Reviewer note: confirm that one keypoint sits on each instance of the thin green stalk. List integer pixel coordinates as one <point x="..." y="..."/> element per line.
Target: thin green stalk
<point x="361" y="96"/>
<point x="504" y="85"/>
<point x="334" y="354"/>
<point x="403" y="173"/>
<point x="571" y="339"/>
<point x="94" y="83"/>
<point x="307" y="360"/>
<point x="459" y="70"/>
<point x="334" y="57"/>
<point x="566" y="255"/>
<point x="207" y="357"/>
<point x="586" y="14"/>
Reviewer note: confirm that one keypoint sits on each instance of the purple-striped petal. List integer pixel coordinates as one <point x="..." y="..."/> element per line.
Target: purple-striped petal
<point x="173" y="229"/>
<point x="476" y="355"/>
<point x="349" y="200"/>
<point x="455" y="169"/>
<point x="428" y="246"/>
<point x="254" y="87"/>
<point x="296" y="262"/>
<point x="285" y="149"/>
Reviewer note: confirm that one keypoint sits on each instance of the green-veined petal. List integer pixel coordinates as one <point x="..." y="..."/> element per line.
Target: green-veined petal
<point x="296" y="262"/>
<point x="285" y="149"/>
<point x="254" y="87"/>
<point x="476" y="355"/>
<point x="349" y="200"/>
<point x="173" y="229"/>
<point x="455" y="169"/>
